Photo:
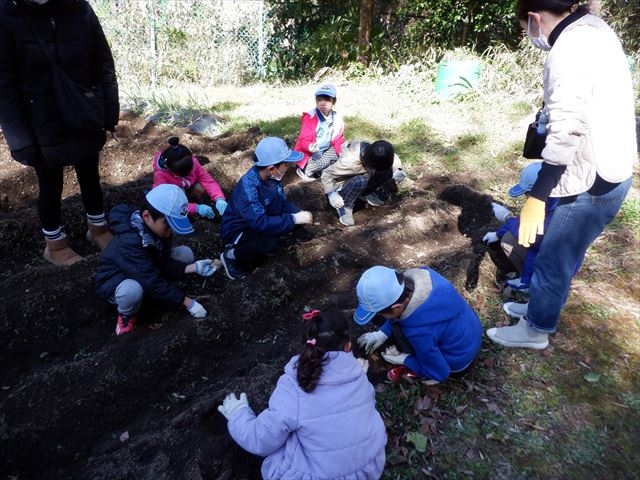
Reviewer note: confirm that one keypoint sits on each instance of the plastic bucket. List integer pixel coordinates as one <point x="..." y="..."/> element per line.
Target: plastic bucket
<point x="457" y="77"/>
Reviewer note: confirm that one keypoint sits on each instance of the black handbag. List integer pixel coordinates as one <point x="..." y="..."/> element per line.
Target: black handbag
<point x="536" y="137"/>
<point x="79" y="107"/>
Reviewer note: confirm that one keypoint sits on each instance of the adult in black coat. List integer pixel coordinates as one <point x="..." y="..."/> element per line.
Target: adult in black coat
<point x="29" y="115"/>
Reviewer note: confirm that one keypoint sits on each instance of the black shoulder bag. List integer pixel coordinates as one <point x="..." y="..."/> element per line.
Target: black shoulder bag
<point x="536" y="136"/>
<point x="79" y="107"/>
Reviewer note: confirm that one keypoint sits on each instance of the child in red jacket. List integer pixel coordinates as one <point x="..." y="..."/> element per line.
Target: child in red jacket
<point x="176" y="165"/>
<point x="321" y="135"/>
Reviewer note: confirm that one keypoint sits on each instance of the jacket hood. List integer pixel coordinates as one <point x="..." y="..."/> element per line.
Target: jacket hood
<point x="120" y="219"/>
<point x="341" y="368"/>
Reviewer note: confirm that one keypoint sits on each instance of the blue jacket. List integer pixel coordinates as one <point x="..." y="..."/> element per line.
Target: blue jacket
<point x="333" y="432"/>
<point x="257" y="205"/>
<point x="512" y="225"/>
<point x="136" y="253"/>
<point x="443" y="330"/>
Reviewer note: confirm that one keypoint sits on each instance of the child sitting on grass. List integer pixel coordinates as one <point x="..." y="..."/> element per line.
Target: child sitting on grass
<point x="176" y="165"/>
<point x="322" y="421"/>
<point x="140" y="260"/>
<point x="321" y="135"/>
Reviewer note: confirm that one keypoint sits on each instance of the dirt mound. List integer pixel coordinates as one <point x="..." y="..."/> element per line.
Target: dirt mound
<point x="77" y="402"/>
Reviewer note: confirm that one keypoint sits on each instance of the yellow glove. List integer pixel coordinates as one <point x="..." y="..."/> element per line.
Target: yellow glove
<point x="531" y="221"/>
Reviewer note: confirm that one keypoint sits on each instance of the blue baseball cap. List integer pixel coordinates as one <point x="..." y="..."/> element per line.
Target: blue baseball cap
<point x="171" y="201"/>
<point x="528" y="177"/>
<point x="327" y="89"/>
<point x="377" y="289"/>
<point x="274" y="150"/>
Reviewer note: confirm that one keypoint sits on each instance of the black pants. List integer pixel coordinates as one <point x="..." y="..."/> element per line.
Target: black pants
<point x="253" y="246"/>
<point x="51" y="181"/>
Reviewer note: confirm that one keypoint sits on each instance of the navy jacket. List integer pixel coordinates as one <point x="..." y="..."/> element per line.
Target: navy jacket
<point x="130" y="255"/>
<point x="257" y="205"/>
<point x="28" y="113"/>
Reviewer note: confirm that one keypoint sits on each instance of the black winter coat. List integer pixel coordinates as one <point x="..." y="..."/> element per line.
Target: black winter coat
<point x="126" y="257"/>
<point x="28" y="114"/>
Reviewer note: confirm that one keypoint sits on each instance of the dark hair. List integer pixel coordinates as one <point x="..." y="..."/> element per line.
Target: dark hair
<point x="378" y="155"/>
<point x="155" y="214"/>
<point x="328" y="98"/>
<point x="406" y="293"/>
<point x="178" y="158"/>
<point x="554" y="6"/>
<point x="322" y="333"/>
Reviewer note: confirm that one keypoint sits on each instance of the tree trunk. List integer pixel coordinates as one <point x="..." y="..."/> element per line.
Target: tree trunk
<point x="364" y="32"/>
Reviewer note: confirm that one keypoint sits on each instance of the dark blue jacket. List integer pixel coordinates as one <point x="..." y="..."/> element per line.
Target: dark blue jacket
<point x="512" y="224"/>
<point x="443" y="330"/>
<point x="146" y="260"/>
<point x="257" y="205"/>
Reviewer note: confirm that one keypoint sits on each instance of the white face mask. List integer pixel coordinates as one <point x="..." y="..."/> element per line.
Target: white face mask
<point x="277" y="179"/>
<point x="540" y="41"/>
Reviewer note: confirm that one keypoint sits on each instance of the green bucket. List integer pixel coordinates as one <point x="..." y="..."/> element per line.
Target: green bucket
<point x="456" y="77"/>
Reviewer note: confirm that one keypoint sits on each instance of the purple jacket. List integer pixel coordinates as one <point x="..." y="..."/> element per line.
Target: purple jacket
<point x="334" y="432"/>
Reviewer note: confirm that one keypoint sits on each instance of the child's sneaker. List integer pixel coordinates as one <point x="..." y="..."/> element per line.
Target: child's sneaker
<point x="373" y="200"/>
<point x="516" y="310"/>
<point x="125" y="324"/>
<point x="346" y="216"/>
<point x="305" y="178"/>
<point x="233" y="272"/>
<point x="397" y="373"/>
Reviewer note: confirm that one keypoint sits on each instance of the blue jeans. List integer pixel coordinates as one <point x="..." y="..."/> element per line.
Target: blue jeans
<point x="576" y="223"/>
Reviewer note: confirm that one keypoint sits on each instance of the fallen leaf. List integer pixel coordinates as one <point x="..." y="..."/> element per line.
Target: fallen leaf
<point x="419" y="441"/>
<point x="591" y="377"/>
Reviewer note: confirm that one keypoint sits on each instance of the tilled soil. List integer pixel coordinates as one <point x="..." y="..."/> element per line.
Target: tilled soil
<point x="78" y="402"/>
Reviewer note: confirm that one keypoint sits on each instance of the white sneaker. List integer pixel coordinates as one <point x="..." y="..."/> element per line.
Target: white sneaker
<point x="346" y="216"/>
<point x="519" y="335"/>
<point x="304" y="176"/>
<point x="515" y="310"/>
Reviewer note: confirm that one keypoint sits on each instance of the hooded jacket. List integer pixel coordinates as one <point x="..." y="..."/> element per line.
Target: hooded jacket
<point x="308" y="129"/>
<point x="135" y="252"/>
<point x="443" y="330"/>
<point x="29" y="116"/>
<point x="589" y="100"/>
<point x="333" y="432"/>
<point x="161" y="174"/>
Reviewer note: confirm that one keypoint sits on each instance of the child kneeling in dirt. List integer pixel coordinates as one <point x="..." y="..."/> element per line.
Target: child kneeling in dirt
<point x="140" y="259"/>
<point x="358" y="173"/>
<point x="436" y="330"/>
<point x="321" y="135"/>
<point x="322" y="421"/>
<point x="176" y="165"/>
<point x="259" y="213"/>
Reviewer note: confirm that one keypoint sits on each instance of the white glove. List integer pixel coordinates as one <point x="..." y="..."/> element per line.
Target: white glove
<point x="302" y="217"/>
<point x="313" y="147"/>
<point x="399" y="176"/>
<point x="372" y="341"/>
<point x="490" y="237"/>
<point x="206" y="267"/>
<point x="364" y="363"/>
<point x="392" y="355"/>
<point x="231" y="404"/>
<point x="336" y="200"/>
<point x="196" y="310"/>
<point x="501" y="213"/>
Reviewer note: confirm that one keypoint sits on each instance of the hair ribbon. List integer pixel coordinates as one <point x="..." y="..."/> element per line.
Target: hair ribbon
<point x="310" y="315"/>
<point x="312" y="341"/>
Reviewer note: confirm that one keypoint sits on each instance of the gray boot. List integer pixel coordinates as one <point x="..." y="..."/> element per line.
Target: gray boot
<point x="519" y="335"/>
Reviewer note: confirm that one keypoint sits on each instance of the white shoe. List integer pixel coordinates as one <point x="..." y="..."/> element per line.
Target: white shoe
<point x="515" y="310"/>
<point x="346" y="216"/>
<point x="304" y="176"/>
<point x="519" y="335"/>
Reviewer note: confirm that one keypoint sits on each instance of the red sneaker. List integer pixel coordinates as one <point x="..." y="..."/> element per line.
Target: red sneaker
<point x="126" y="323"/>
<point x="397" y="373"/>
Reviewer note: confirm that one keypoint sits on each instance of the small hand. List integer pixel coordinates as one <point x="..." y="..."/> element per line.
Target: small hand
<point x="196" y="310"/>
<point x="392" y="355"/>
<point x="232" y="404"/>
<point x="500" y="212"/>
<point x="221" y="206"/>
<point x="303" y="217"/>
<point x="205" y="268"/>
<point x="313" y="147"/>
<point x="399" y="176"/>
<point x="490" y="237"/>
<point x="372" y="341"/>
<point x="205" y="211"/>
<point x="364" y="363"/>
<point x="336" y="200"/>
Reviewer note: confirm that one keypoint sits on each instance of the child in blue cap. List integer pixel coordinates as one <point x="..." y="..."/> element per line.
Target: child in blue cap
<point x="258" y="213"/>
<point x="321" y="135"/>
<point x="140" y="260"/>
<point x="521" y="257"/>
<point x="436" y="330"/>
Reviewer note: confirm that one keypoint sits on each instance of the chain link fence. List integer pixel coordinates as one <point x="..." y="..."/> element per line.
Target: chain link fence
<point x="163" y="42"/>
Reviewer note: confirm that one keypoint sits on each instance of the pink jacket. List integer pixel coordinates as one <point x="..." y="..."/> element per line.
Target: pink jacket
<point x="162" y="174"/>
<point x="307" y="135"/>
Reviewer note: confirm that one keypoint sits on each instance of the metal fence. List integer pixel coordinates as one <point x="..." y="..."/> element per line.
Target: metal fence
<point x="206" y="42"/>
